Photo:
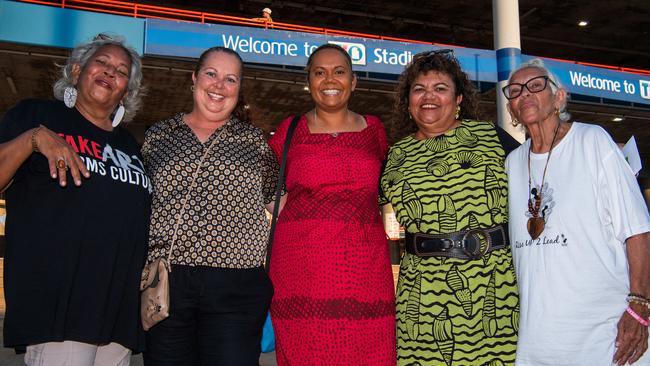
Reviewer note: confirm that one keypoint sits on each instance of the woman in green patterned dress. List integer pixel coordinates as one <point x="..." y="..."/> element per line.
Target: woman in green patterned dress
<point x="457" y="301"/>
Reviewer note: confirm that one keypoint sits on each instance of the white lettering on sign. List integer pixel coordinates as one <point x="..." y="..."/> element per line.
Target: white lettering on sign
<point x="588" y="81"/>
<point x="383" y="56"/>
<point x="263" y="47"/>
<point x="644" y="87"/>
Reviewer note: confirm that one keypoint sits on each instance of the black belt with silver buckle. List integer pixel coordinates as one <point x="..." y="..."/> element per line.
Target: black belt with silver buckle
<point x="461" y="244"/>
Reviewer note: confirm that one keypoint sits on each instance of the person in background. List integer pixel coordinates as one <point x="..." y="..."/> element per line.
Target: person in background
<point x="330" y="266"/>
<point x="77" y="213"/>
<point x="580" y="232"/>
<point x="219" y="290"/>
<point x="266" y="18"/>
<point x="457" y="301"/>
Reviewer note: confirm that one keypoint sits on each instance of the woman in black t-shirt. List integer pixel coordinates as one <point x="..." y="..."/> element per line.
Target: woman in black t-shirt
<point x="75" y="251"/>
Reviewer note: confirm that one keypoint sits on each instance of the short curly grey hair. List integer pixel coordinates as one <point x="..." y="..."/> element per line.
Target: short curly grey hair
<point x="83" y="52"/>
<point x="538" y="64"/>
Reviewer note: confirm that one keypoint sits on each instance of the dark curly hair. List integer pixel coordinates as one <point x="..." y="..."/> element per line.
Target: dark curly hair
<point x="242" y="110"/>
<point x="401" y="124"/>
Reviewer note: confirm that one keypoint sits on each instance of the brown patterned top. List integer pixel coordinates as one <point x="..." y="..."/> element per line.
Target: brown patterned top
<point x="224" y="222"/>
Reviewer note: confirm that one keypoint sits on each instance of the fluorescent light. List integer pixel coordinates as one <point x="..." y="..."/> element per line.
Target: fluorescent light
<point x="617" y="119"/>
<point x="12" y="85"/>
<point x="583" y="23"/>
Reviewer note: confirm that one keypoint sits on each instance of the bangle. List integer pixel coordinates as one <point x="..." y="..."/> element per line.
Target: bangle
<point x="639" y="296"/>
<point x="639" y="301"/>
<point x="638" y="317"/>
<point x="34" y="144"/>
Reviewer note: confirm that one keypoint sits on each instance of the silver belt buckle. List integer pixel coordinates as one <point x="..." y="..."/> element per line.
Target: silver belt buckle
<point x="476" y="253"/>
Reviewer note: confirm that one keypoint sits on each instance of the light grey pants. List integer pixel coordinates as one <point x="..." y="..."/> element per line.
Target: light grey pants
<point x="71" y="353"/>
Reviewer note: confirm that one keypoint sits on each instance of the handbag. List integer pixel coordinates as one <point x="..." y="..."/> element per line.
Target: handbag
<point x="268" y="335"/>
<point x="154" y="282"/>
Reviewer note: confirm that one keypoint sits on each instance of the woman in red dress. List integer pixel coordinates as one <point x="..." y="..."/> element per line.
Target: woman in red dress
<point x="334" y="302"/>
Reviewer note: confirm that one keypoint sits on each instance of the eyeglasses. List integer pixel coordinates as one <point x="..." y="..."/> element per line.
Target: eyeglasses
<point x="534" y="85"/>
<point x="442" y="51"/>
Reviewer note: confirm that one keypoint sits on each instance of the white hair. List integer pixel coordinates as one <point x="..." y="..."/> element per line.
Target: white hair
<point x="555" y="84"/>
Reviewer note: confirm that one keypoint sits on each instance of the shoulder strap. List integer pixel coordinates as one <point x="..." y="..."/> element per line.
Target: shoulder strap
<point x="508" y="142"/>
<point x="278" y="189"/>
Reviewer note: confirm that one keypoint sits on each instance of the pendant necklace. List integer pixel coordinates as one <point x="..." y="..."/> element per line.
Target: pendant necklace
<point x="536" y="222"/>
<point x="333" y="134"/>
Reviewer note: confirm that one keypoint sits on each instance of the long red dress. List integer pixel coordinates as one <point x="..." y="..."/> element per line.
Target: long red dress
<point x="334" y="302"/>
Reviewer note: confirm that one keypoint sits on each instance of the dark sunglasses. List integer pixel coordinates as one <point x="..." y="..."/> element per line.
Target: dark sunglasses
<point x="534" y="85"/>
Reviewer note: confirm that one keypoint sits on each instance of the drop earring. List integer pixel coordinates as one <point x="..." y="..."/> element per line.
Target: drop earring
<point x="457" y="111"/>
<point x="119" y="114"/>
<point x="514" y="122"/>
<point x="70" y="96"/>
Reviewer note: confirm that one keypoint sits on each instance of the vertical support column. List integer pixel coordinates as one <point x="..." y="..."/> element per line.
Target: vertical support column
<point x="507" y="44"/>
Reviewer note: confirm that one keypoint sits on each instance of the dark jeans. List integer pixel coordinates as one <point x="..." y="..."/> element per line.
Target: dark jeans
<point x="216" y="318"/>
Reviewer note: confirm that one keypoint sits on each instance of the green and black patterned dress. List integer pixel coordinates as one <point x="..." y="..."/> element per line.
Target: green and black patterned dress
<point x="452" y="311"/>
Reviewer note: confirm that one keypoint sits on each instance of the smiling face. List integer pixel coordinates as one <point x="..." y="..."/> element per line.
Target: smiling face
<point x="331" y="80"/>
<point x="433" y="102"/>
<point x="103" y="81"/>
<point x="216" y="86"/>
<point x="529" y="108"/>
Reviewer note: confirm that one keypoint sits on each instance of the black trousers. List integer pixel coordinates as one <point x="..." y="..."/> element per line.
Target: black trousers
<point x="216" y="318"/>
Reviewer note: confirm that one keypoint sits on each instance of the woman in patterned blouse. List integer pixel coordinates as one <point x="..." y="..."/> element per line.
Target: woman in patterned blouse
<point x="219" y="290"/>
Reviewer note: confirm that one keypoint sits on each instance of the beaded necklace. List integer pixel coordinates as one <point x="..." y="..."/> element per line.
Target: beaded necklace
<point x="535" y="224"/>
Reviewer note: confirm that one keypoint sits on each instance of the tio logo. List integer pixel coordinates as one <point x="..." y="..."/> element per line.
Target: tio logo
<point x="357" y="51"/>
<point x="644" y="86"/>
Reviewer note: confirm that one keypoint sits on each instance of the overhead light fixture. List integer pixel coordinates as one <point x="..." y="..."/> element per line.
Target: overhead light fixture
<point x="583" y="23"/>
<point x="617" y="119"/>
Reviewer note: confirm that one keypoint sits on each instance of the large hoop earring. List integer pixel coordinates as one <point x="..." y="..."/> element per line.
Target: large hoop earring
<point x="119" y="114"/>
<point x="70" y="96"/>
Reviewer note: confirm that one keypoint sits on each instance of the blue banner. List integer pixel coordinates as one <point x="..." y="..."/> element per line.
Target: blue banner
<point x="602" y="83"/>
<point x="268" y="46"/>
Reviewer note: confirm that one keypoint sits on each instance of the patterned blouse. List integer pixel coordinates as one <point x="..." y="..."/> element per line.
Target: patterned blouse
<point x="224" y="222"/>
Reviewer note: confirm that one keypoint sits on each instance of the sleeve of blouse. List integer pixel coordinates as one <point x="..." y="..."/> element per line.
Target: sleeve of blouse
<point x="381" y="136"/>
<point x="17" y="120"/>
<point x="623" y="205"/>
<point x="277" y="140"/>
<point x="269" y="172"/>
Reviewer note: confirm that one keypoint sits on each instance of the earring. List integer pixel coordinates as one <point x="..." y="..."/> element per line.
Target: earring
<point x="457" y="111"/>
<point x="70" y="96"/>
<point x="514" y="122"/>
<point x="192" y="87"/>
<point x="557" y="111"/>
<point x="119" y="114"/>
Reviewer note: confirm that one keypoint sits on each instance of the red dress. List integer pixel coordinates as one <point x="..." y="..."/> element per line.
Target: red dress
<point x="334" y="301"/>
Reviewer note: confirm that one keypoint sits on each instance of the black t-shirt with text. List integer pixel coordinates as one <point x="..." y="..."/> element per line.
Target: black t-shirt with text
<point x="74" y="254"/>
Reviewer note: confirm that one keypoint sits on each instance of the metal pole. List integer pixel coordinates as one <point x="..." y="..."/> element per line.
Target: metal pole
<point x="507" y="44"/>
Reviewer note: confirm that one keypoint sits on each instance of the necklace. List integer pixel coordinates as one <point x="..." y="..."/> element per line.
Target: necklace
<point x="333" y="134"/>
<point x="535" y="224"/>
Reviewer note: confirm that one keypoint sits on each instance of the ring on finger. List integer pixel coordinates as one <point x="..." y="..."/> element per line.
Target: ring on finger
<point x="60" y="164"/>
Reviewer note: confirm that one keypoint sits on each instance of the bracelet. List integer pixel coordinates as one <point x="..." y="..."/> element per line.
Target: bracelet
<point x="635" y="300"/>
<point x="34" y="144"/>
<point x="639" y="296"/>
<point x="638" y="317"/>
